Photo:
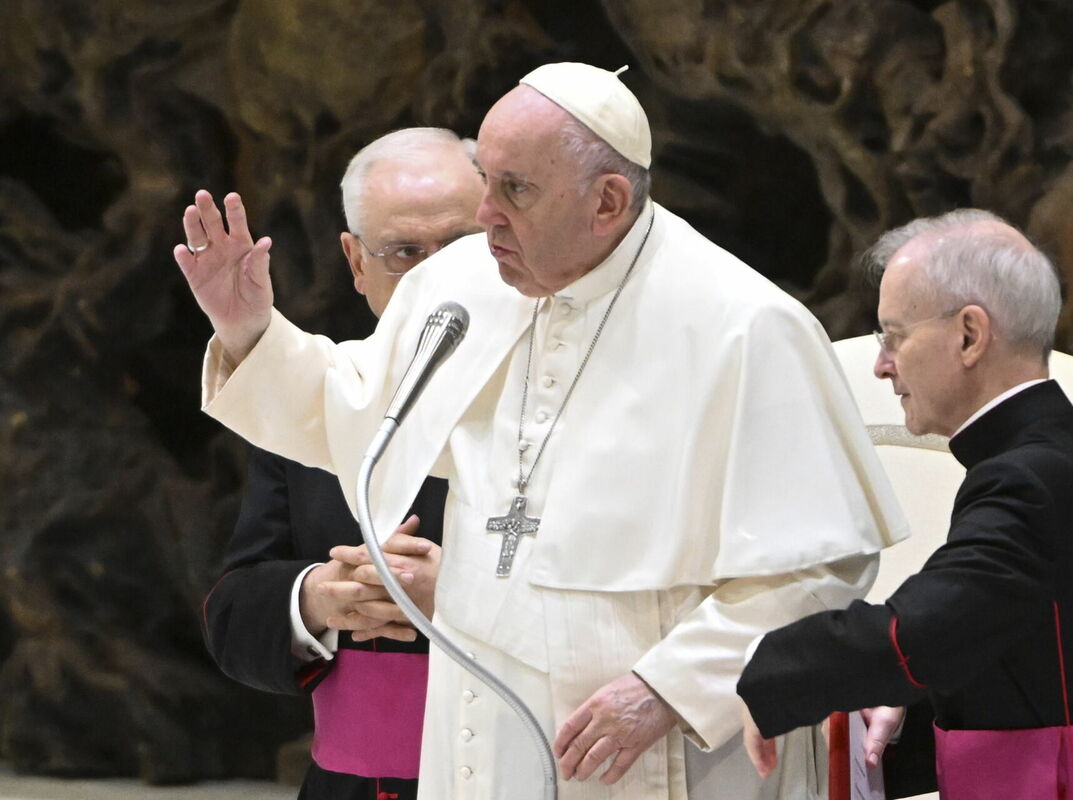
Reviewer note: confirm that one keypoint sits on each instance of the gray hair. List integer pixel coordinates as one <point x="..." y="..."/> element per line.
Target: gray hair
<point x="395" y="145"/>
<point x="595" y="157"/>
<point x="970" y="264"/>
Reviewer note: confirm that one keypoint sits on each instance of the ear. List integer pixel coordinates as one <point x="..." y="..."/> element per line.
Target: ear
<point x="355" y="258"/>
<point x="614" y="195"/>
<point x="974" y="328"/>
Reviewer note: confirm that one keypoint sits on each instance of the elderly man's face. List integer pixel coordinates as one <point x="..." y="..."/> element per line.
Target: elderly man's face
<point x="421" y="203"/>
<point x="538" y="219"/>
<point x="922" y="353"/>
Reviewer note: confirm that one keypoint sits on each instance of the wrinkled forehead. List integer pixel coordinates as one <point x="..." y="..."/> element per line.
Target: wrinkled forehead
<point x="522" y="132"/>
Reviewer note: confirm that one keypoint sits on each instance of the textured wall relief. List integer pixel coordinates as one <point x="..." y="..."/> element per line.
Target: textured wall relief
<point x="791" y="132"/>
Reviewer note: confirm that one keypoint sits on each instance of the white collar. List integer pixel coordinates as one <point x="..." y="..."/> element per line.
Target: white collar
<point x="1006" y="395"/>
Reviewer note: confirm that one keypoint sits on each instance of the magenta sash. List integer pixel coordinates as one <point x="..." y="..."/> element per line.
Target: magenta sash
<point x="368" y="714"/>
<point x="1025" y="764"/>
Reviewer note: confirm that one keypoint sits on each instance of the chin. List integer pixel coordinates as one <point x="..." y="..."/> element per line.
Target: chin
<point x="920" y="429"/>
<point x="912" y="425"/>
<point x="517" y="279"/>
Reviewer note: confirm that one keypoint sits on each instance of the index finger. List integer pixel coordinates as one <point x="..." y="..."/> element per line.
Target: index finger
<point x="367" y="574"/>
<point x="403" y="545"/>
<point x="349" y="554"/>
<point x="568" y="731"/>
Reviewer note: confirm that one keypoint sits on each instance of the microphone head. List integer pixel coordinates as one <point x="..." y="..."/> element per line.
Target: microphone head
<point x="453" y="317"/>
<point x="443" y="330"/>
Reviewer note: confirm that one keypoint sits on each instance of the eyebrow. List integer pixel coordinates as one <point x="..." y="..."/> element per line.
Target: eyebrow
<point x="508" y="174"/>
<point x="881" y="321"/>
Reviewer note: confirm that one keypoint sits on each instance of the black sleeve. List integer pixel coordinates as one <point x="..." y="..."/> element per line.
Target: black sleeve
<point x="989" y="587"/>
<point x="967" y="605"/>
<point x="246" y="615"/>
<point x="831" y="661"/>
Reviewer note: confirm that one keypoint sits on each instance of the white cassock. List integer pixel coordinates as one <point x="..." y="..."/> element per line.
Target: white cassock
<point x="710" y="479"/>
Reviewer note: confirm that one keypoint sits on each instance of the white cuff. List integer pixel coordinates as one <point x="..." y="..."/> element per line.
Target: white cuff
<point x="751" y="649"/>
<point x="304" y="645"/>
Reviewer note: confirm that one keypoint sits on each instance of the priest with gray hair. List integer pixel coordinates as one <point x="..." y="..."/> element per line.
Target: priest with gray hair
<point x="669" y="432"/>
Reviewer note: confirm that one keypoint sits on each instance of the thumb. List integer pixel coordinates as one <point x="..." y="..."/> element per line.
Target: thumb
<point x="882" y="723"/>
<point x="256" y="262"/>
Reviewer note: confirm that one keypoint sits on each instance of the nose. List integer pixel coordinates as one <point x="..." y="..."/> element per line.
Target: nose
<point x="884" y="366"/>
<point x="488" y="213"/>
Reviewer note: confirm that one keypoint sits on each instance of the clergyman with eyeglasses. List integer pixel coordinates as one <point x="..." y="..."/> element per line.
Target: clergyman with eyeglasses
<point x="300" y="608"/>
<point x="980" y="641"/>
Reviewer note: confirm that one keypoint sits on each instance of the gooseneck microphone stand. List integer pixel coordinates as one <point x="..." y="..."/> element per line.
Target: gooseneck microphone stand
<point x="444" y="329"/>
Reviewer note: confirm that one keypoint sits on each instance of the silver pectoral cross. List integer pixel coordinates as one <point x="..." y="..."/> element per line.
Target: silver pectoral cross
<point x="513" y="525"/>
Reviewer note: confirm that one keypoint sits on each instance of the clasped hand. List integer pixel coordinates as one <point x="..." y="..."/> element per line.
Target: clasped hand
<point x="347" y="593"/>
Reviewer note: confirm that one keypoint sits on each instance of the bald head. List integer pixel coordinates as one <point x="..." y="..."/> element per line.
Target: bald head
<point x="973" y="257"/>
<point x="428" y="155"/>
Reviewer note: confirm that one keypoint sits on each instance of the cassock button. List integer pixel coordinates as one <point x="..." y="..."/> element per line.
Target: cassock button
<point x="542" y="416"/>
<point x="549" y="381"/>
<point x="468" y="696"/>
<point x="466" y="772"/>
<point x="467" y="734"/>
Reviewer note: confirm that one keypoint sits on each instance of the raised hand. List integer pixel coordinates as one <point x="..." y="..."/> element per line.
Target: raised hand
<point x="227" y="271"/>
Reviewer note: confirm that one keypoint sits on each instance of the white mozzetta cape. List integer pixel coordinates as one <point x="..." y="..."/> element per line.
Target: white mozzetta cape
<point x="711" y="439"/>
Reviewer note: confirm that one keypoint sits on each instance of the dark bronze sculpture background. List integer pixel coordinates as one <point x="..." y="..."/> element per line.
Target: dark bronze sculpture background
<point x="790" y="131"/>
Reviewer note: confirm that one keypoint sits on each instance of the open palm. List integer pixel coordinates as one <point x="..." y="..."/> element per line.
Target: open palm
<point x="227" y="271"/>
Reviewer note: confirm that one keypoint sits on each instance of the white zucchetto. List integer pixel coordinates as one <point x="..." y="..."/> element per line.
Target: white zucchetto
<point x="598" y="99"/>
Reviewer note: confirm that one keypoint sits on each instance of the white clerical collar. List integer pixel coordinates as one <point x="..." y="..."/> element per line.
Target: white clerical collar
<point x="1006" y="395"/>
<point x="607" y="275"/>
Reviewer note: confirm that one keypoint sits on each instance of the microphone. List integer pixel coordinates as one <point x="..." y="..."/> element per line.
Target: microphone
<point x="444" y="329"/>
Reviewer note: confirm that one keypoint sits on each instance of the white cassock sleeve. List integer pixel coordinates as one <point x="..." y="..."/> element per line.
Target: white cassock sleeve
<point x="286" y="368"/>
<point x="696" y="666"/>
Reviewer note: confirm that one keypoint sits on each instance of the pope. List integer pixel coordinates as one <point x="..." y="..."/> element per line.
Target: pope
<point x="669" y="429"/>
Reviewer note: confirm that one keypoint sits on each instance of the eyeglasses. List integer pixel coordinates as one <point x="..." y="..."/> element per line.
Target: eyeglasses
<point x="399" y="258"/>
<point x="888" y="340"/>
